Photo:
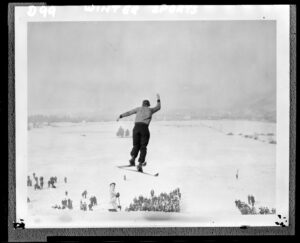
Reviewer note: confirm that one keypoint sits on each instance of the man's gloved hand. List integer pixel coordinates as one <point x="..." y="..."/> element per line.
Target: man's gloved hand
<point x="118" y="194"/>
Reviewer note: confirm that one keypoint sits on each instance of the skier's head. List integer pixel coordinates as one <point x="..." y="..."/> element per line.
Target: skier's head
<point x="146" y="103"/>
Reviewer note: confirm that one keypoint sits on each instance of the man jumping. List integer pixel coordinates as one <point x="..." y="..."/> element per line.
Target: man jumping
<point x="141" y="134"/>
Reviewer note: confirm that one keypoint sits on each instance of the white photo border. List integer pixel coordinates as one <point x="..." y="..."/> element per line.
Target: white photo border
<point x="278" y="13"/>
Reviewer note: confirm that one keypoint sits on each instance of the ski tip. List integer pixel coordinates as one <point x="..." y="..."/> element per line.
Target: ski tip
<point x="156" y="174"/>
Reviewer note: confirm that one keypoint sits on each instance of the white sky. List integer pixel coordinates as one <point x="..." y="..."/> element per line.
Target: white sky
<point x="111" y="67"/>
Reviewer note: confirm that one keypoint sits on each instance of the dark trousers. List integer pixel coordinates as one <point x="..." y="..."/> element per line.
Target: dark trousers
<point x="141" y="136"/>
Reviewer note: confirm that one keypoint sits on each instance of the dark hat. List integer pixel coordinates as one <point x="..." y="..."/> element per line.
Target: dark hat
<point x="112" y="183"/>
<point x="146" y="103"/>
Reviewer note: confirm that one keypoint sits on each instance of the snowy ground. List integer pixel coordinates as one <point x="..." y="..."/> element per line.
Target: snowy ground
<point x="196" y="156"/>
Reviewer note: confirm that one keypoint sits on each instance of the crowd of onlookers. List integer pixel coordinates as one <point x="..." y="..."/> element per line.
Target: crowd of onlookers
<point x="39" y="182"/>
<point x="165" y="202"/>
<point x="39" y="185"/>
<point x="66" y="203"/>
<point x="249" y="208"/>
<point x="87" y="204"/>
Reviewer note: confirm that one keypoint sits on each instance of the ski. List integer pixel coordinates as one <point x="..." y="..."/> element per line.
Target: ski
<point x="125" y="168"/>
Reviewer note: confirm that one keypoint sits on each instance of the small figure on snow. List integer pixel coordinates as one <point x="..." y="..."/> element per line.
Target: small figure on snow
<point x="114" y="197"/>
<point x="64" y="203"/>
<point x="141" y="134"/>
<point x="65" y="179"/>
<point x="29" y="181"/>
<point x="42" y="182"/>
<point x="36" y="185"/>
<point x="51" y="182"/>
<point x="127" y="133"/>
<point x="252" y="200"/>
<point x="35" y="178"/>
<point x="93" y="200"/>
<point x="70" y="203"/>
<point x="83" y="205"/>
<point x="84" y="194"/>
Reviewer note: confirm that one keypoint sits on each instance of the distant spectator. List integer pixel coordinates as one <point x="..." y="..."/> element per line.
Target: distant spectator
<point x="152" y="193"/>
<point x="42" y="182"/>
<point x="84" y="194"/>
<point x="64" y="203"/>
<point x="51" y="182"/>
<point x="83" y="205"/>
<point x="70" y="204"/>
<point x="35" y="178"/>
<point x="252" y="199"/>
<point x="114" y="196"/>
<point x="93" y="201"/>
<point x="36" y="186"/>
<point x="29" y="181"/>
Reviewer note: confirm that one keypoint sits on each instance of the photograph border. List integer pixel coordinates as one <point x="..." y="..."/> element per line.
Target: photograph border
<point x="19" y="234"/>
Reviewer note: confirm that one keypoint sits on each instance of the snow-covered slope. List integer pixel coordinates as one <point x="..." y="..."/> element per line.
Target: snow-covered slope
<point x="196" y="156"/>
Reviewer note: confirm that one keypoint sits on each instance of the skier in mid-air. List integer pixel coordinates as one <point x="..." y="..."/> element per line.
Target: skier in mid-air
<point x="141" y="134"/>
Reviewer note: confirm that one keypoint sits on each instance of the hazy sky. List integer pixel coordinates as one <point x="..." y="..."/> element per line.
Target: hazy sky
<point x="111" y="67"/>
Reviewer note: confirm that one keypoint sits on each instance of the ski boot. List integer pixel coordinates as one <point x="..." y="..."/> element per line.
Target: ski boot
<point x="140" y="167"/>
<point x="132" y="161"/>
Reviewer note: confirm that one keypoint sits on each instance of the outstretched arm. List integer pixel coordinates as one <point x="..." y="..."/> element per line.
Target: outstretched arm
<point x="158" y="106"/>
<point x="128" y="113"/>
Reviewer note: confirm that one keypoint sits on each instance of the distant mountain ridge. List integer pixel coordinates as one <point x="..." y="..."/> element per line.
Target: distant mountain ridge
<point x="262" y="108"/>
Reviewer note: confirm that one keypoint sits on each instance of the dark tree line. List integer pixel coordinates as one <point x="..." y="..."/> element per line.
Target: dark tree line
<point x="55" y="118"/>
